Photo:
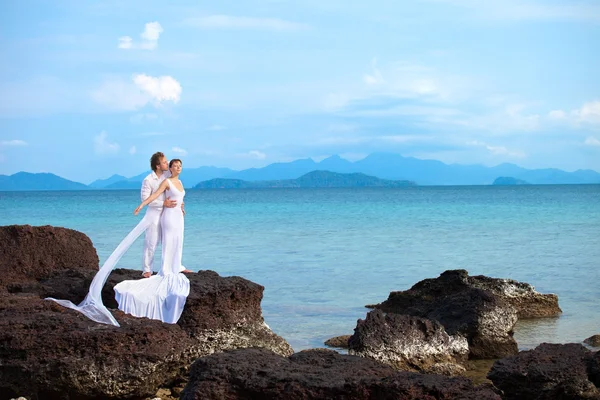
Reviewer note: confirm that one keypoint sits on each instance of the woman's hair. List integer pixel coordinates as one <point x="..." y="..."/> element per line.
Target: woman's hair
<point x="155" y="160"/>
<point x="174" y="161"/>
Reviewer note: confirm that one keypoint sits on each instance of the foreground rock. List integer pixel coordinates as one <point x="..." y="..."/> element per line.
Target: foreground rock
<point x="482" y="309"/>
<point x="317" y="374"/>
<point x="409" y="343"/>
<point x="51" y="352"/>
<point x="550" y="371"/>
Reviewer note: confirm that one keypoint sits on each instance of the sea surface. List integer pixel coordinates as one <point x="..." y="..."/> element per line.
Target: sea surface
<point x="323" y="254"/>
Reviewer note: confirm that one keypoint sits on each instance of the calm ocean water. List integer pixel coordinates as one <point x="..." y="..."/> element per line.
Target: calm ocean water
<point x="322" y="254"/>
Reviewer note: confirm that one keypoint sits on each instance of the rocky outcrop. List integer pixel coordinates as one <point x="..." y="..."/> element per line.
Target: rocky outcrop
<point x="550" y="371"/>
<point x="28" y="254"/>
<point x="317" y="374"/>
<point x="338" y="341"/>
<point x="409" y="343"/>
<point x="486" y="320"/>
<point x="51" y="352"/>
<point x="593" y="341"/>
<point x="522" y="296"/>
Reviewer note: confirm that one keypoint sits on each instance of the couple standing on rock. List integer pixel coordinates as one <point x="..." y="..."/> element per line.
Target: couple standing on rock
<point x="163" y="295"/>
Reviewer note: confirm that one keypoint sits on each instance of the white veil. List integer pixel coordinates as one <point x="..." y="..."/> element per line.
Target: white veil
<point x="92" y="306"/>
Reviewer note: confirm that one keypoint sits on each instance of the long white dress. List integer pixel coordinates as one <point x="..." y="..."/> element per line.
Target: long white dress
<point x="161" y="296"/>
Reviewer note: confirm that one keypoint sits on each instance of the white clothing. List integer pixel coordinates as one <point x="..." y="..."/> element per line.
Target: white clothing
<point x="173" y="287"/>
<point x="150" y="184"/>
<point x="161" y="296"/>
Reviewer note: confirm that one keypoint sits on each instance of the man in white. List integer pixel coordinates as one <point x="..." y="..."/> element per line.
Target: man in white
<point x="160" y="172"/>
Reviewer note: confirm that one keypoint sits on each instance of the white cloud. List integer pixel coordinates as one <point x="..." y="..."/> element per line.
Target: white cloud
<point x="592" y="141"/>
<point x="232" y="22"/>
<point x="132" y="150"/>
<point x="258" y="155"/>
<point x="150" y="36"/>
<point x="557" y="114"/>
<point x="16" y="142"/>
<point x="497" y="150"/>
<point x="529" y="9"/>
<point x="118" y="94"/>
<point x="125" y="42"/>
<point x="103" y="146"/>
<point x="162" y="88"/>
<point x="588" y="113"/>
<point x="178" y="150"/>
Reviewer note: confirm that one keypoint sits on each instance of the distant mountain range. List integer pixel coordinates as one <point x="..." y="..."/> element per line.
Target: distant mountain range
<point x="385" y="166"/>
<point x="39" y="181"/>
<point x="314" y="179"/>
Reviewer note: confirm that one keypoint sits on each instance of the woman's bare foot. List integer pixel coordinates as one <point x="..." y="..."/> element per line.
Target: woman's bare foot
<point x="186" y="271"/>
<point x="147" y="274"/>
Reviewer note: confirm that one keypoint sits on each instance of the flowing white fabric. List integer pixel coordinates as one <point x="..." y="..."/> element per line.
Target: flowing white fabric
<point x="92" y="306"/>
<point x="161" y="296"/>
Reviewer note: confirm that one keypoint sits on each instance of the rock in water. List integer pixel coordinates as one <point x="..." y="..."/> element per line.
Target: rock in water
<point x="482" y="309"/>
<point x="409" y="343"/>
<point x="593" y="341"/>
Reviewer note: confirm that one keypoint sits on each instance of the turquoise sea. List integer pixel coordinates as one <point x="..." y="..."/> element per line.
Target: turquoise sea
<point x="322" y="254"/>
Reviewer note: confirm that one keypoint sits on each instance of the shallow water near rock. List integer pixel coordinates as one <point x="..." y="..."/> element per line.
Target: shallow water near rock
<point x="322" y="254"/>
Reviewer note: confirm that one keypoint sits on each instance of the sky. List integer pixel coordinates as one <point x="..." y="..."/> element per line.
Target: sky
<point x="93" y="88"/>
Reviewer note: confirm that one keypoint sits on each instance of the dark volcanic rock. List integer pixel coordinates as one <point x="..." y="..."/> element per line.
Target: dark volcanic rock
<point x="51" y="352"/>
<point x="39" y="252"/>
<point x="485" y="319"/>
<point x="528" y="302"/>
<point x="593" y="341"/>
<point x="220" y="313"/>
<point x="317" y="374"/>
<point x="408" y="343"/>
<point x="338" y="341"/>
<point x="550" y="371"/>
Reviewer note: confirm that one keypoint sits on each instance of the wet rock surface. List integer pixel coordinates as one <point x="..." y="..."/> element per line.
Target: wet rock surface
<point x="409" y="343"/>
<point x="317" y="374"/>
<point x="593" y="341"/>
<point x="484" y="319"/>
<point x="338" y="341"/>
<point x="51" y="352"/>
<point x="550" y="371"/>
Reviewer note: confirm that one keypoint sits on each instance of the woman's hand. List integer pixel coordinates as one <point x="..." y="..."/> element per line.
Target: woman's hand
<point x="137" y="210"/>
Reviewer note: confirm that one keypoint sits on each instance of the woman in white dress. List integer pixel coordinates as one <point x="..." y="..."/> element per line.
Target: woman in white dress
<point x="161" y="296"/>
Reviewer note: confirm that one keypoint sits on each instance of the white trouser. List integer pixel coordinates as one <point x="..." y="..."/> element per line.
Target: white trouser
<point x="153" y="238"/>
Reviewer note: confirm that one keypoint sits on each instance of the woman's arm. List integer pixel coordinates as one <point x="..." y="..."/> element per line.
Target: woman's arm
<point x="163" y="186"/>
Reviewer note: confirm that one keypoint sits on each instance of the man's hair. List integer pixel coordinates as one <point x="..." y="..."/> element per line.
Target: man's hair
<point x="155" y="160"/>
<point x="174" y="161"/>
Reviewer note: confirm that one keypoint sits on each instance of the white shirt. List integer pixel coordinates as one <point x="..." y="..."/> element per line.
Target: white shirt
<point x="150" y="185"/>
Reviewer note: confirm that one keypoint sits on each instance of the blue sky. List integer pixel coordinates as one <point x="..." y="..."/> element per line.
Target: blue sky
<point x="93" y="88"/>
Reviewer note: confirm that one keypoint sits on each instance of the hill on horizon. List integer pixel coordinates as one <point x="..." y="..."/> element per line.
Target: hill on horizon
<point x="38" y="181"/>
<point x="314" y="179"/>
<point x="387" y="166"/>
